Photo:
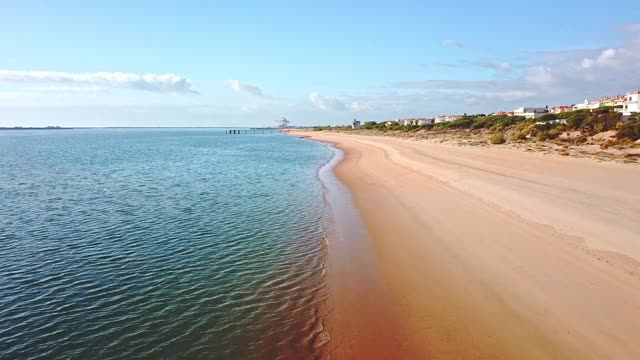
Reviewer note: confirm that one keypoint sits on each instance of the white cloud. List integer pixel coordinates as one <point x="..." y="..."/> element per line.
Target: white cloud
<point x="511" y="96"/>
<point x="503" y="67"/>
<point x="360" y="106"/>
<point x="539" y="75"/>
<point x="541" y="78"/>
<point x="326" y="103"/>
<point x="452" y="43"/>
<point x="606" y="57"/>
<point x="631" y="27"/>
<point x="237" y="86"/>
<point x="495" y="65"/>
<point x="487" y="85"/>
<point x="147" y="82"/>
<point x="67" y="89"/>
<point x="607" y="72"/>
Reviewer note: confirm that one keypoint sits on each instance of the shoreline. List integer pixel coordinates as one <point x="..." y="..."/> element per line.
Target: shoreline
<point x="356" y="312"/>
<point x="466" y="276"/>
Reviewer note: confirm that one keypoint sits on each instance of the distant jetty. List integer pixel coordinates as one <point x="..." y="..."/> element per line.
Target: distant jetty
<point x="35" y="128"/>
<point x="251" y="131"/>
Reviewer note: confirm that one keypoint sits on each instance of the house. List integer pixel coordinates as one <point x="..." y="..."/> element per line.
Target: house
<point x="598" y="103"/>
<point x="421" y="122"/>
<point x="619" y="101"/>
<point x="582" y="106"/>
<point x="631" y="104"/>
<point x="530" y="113"/>
<point x="389" y="123"/>
<point x="556" y="121"/>
<point x="355" y="124"/>
<point x="407" y="122"/>
<point x="561" y="109"/>
<point x="605" y="101"/>
<point x="443" y="118"/>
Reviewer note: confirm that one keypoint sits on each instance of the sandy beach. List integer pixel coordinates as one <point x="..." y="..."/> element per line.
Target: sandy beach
<point x="481" y="253"/>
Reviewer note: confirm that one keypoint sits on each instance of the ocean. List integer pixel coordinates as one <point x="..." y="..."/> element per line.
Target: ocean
<point x="161" y="243"/>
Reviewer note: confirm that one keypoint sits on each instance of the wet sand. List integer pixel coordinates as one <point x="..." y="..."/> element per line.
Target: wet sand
<point x="484" y="254"/>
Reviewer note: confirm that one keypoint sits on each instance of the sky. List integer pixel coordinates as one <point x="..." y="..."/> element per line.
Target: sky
<point x="249" y="63"/>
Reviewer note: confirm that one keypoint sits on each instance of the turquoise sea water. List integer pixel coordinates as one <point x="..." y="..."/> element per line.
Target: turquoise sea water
<point x="160" y="243"/>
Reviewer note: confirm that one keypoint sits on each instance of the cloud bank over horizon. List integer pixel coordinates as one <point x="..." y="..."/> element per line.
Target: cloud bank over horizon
<point x="463" y="80"/>
<point x="147" y="82"/>
<point x="541" y="78"/>
<point x="237" y="86"/>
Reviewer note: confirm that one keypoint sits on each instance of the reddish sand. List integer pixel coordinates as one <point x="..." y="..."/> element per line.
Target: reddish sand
<point x="484" y="254"/>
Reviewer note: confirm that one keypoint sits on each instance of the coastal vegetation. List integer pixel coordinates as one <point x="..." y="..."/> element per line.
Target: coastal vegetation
<point x="629" y="129"/>
<point x="580" y="123"/>
<point x="602" y="133"/>
<point x="498" y="138"/>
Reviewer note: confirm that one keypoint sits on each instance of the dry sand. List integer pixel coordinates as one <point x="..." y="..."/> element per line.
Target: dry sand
<point x="485" y="254"/>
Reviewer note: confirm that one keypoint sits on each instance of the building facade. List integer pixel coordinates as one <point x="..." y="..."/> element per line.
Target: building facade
<point x="631" y="103"/>
<point x="582" y="106"/>
<point x="421" y="122"/>
<point x="530" y="112"/>
<point x="443" y="118"/>
<point x="561" y="109"/>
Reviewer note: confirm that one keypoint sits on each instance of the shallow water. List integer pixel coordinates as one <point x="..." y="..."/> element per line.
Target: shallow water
<point x="160" y="243"/>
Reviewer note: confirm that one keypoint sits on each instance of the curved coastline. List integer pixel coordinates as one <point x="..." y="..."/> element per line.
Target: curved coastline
<point x="464" y="277"/>
<point x="359" y="320"/>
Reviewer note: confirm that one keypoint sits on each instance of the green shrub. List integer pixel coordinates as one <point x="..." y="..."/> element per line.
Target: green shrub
<point x="369" y="125"/>
<point x="629" y="130"/>
<point x="575" y="119"/>
<point x="542" y="136"/>
<point x="498" y="139"/>
<point x="544" y="126"/>
<point x="554" y="133"/>
<point x="547" y="117"/>
<point x="497" y="128"/>
<point x="519" y="136"/>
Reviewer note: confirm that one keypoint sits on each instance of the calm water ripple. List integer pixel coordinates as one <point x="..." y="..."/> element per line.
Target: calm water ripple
<point x="160" y="243"/>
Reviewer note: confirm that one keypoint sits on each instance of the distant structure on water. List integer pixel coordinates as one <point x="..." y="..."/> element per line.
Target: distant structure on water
<point x="283" y="123"/>
<point x="35" y="128"/>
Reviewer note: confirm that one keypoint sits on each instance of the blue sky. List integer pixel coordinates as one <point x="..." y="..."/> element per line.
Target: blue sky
<point x="206" y="63"/>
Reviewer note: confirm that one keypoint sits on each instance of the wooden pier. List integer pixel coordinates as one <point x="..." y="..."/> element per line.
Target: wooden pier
<point x="251" y="131"/>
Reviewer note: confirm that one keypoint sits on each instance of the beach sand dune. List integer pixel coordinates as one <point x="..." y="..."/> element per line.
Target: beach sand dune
<point x="487" y="254"/>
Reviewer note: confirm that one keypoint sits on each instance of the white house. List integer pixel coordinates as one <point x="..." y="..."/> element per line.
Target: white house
<point x="421" y="122"/>
<point x="594" y="104"/>
<point x="443" y="118"/>
<point x="556" y="121"/>
<point x="530" y="113"/>
<point x="584" y="105"/>
<point x="605" y="101"/>
<point x="619" y="101"/>
<point x="631" y="103"/>
<point x="355" y="124"/>
<point x="407" y="122"/>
